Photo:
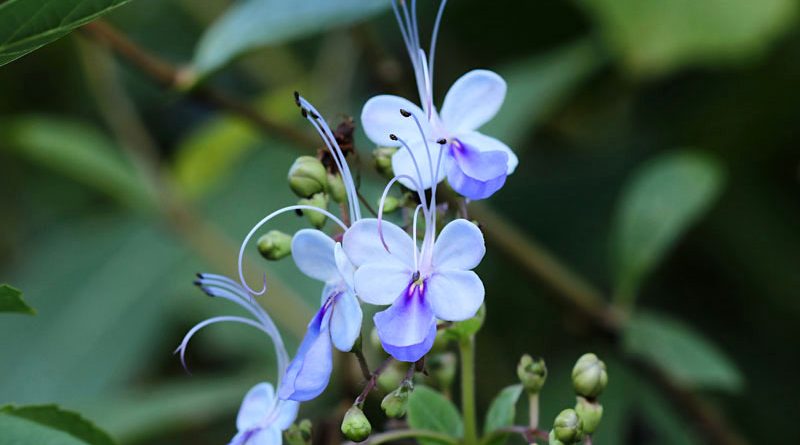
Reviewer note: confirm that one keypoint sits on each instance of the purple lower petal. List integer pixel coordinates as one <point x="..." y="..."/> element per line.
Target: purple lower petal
<point x="310" y="371"/>
<point x="408" y="327"/>
<point x="476" y="174"/>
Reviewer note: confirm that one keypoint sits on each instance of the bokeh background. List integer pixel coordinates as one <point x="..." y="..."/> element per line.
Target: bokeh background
<point x="658" y="161"/>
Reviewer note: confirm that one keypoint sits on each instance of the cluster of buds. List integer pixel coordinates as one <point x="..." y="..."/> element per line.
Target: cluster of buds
<point x="589" y="379"/>
<point x="316" y="186"/>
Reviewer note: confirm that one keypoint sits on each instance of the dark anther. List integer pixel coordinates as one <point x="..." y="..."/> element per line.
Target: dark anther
<point x="405" y="113"/>
<point x="297" y="98"/>
<point x="298" y="212"/>
<point x="415" y="277"/>
<point x="314" y="115"/>
<point x="304" y="112"/>
<point x="197" y="282"/>
<point x="441" y="141"/>
<point x="393" y="137"/>
<point x="199" y="275"/>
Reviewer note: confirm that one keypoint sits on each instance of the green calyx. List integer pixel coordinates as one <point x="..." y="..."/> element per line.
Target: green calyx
<point x="307" y="176"/>
<point x="568" y="427"/>
<point x="590" y="412"/>
<point x="589" y="376"/>
<point x="275" y="245"/>
<point x="320" y="201"/>
<point x="532" y="373"/>
<point x="356" y="426"/>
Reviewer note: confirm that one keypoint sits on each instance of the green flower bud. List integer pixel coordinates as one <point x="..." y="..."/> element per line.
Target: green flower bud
<point x="442" y="368"/>
<point x="336" y="188"/>
<point x="589" y="377"/>
<point x="553" y="440"/>
<point x="275" y="245"/>
<point x="568" y="427"/>
<point x="391" y="377"/>
<point x="307" y="176"/>
<point x="299" y="434"/>
<point x="467" y="328"/>
<point x="532" y="373"/>
<point x="319" y="200"/>
<point x="355" y="425"/>
<point x="396" y="402"/>
<point x="383" y="160"/>
<point x="590" y="413"/>
<point x="390" y="204"/>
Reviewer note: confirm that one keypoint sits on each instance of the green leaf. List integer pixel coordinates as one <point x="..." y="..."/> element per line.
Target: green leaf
<point x="27" y="25"/>
<point x="536" y="87"/>
<point x="429" y="410"/>
<point x="681" y="351"/>
<point x="661" y="201"/>
<point x="502" y="412"/>
<point x="657" y="36"/>
<point x="250" y="24"/>
<point x="78" y="151"/>
<point x="11" y="301"/>
<point x="53" y="418"/>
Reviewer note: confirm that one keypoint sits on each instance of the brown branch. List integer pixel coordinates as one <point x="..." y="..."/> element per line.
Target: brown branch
<point x="171" y="77"/>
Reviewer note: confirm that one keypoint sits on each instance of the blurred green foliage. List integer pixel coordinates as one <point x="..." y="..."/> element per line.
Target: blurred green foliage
<point x="601" y="94"/>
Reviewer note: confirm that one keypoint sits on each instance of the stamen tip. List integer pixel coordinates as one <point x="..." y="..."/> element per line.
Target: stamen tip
<point x="304" y="112"/>
<point x="405" y="113"/>
<point x="199" y="275"/>
<point x="442" y="141"/>
<point x="297" y="98"/>
<point x="393" y="137"/>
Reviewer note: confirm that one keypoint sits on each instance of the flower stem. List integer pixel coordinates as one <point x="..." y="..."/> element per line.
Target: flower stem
<point x="533" y="408"/>
<point x="467" y="352"/>
<point x="390" y="436"/>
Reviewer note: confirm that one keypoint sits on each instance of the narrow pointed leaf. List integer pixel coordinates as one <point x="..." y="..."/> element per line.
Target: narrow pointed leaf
<point x="502" y="412"/>
<point x="58" y="421"/>
<point x="11" y="301"/>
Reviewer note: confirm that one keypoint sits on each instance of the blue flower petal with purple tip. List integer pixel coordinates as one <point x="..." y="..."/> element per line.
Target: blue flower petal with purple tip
<point x="408" y="327"/>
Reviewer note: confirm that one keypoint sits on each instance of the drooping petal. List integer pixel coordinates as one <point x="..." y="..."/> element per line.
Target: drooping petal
<point x="362" y="243"/>
<point x="473" y="100"/>
<point x="404" y="328"/>
<point x="381" y="117"/>
<point x="487" y="143"/>
<point x="287" y="413"/>
<point x="256" y="405"/>
<point x="312" y="251"/>
<point x="403" y="164"/>
<point x="265" y="436"/>
<point x="476" y="174"/>
<point x="455" y="295"/>
<point x="345" y="321"/>
<point x="310" y="370"/>
<point x="381" y="283"/>
<point x="459" y="246"/>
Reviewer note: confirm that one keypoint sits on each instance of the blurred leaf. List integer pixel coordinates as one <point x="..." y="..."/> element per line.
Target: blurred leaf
<point x="55" y="419"/>
<point x="250" y="24"/>
<point x="536" y="87"/>
<point x="78" y="151"/>
<point x="18" y="431"/>
<point x="664" y="197"/>
<point x="502" y="412"/>
<point x="429" y="410"/>
<point x="27" y="25"/>
<point x="657" y="36"/>
<point x="11" y="301"/>
<point x="681" y="351"/>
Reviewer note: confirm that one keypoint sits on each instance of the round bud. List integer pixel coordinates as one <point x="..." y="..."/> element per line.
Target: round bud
<point x="532" y="373"/>
<point x="589" y="377"/>
<point x="355" y="425"/>
<point x="442" y="367"/>
<point x="552" y="439"/>
<point x="568" y="427"/>
<point x="299" y="434"/>
<point x="390" y="204"/>
<point x="307" y="176"/>
<point x="336" y="188"/>
<point x="590" y="413"/>
<point x="320" y="201"/>
<point x="275" y="245"/>
<point x="383" y="160"/>
<point x="396" y="402"/>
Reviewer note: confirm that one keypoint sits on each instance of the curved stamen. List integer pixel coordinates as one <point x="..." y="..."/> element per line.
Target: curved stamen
<point x="435" y="176"/>
<point x="383" y="200"/>
<point x="435" y="36"/>
<point x="264" y="221"/>
<point x="414" y="235"/>
<point x="185" y="342"/>
<point x="394" y="137"/>
<point x="403" y="32"/>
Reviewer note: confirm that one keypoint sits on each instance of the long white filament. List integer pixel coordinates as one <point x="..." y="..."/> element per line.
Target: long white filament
<point x="264" y="221"/>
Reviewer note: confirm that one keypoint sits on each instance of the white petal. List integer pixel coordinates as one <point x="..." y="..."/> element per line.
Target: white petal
<point x="256" y="405"/>
<point x="345" y="266"/>
<point x="312" y="251"/>
<point x="382" y="282"/>
<point x="487" y="143"/>
<point x="455" y="295"/>
<point x="403" y="164"/>
<point x="287" y="413"/>
<point x="362" y="243"/>
<point x="381" y="117"/>
<point x="345" y="321"/>
<point x="473" y="100"/>
<point x="266" y="436"/>
<point x="460" y="246"/>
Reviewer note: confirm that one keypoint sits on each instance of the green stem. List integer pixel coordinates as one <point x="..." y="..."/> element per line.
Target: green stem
<point x="467" y="352"/>
<point x="533" y="404"/>
<point x="406" y="434"/>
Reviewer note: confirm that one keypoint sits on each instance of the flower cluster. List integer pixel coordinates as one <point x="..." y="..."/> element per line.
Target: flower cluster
<point x="421" y="268"/>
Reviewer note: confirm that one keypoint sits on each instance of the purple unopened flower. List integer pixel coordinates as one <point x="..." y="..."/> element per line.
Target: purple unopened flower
<point x="476" y="165"/>
<point x="422" y="285"/>
<point x="262" y="417"/>
<point x="337" y="323"/>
